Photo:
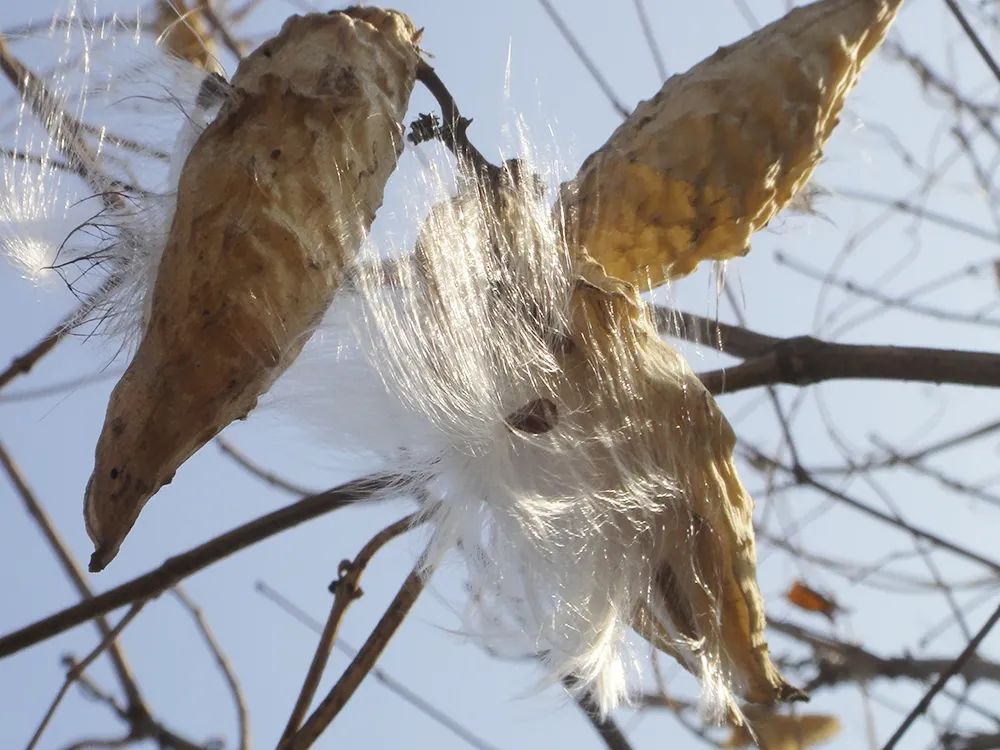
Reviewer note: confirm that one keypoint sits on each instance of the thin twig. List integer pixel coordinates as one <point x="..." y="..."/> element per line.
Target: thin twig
<point x="970" y="32"/>
<point x="802" y="476"/>
<point x="453" y="132"/>
<point x="920" y="212"/>
<point x="362" y="664"/>
<point x="79" y="667"/>
<point x="181" y="566"/>
<point x="390" y="682"/>
<point x="939" y="683"/>
<point x="345" y="590"/>
<point x="23" y="363"/>
<point x="261" y="473"/>
<point x="141" y="724"/>
<point x="109" y="743"/>
<point x="839" y="662"/>
<point x="585" y="58"/>
<point x="606" y="727"/>
<point x="647" y="31"/>
<point x="242" y="717"/>
<point x="887" y="300"/>
<point x="221" y="28"/>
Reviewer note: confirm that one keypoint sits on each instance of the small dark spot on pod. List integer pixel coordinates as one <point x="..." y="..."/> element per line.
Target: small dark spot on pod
<point x="114" y="473"/>
<point x="535" y="417"/>
<point x="562" y="344"/>
<point x="276" y="153"/>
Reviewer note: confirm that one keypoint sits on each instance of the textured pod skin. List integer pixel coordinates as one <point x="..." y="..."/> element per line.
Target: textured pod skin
<point x="276" y="195"/>
<point x="709" y="160"/>
<point x="623" y="380"/>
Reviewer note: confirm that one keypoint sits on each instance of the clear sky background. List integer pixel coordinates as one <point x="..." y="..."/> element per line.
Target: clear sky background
<point x="474" y="44"/>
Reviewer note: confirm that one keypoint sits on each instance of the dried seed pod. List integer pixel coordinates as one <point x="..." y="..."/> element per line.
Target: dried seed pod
<point x="273" y="200"/>
<point x="703" y="604"/>
<point x="709" y="160"/>
<point x="572" y="455"/>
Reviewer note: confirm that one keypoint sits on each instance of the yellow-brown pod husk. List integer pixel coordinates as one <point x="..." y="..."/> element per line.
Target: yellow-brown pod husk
<point x="771" y="731"/>
<point x="695" y="170"/>
<point x="704" y="600"/>
<point x="274" y="199"/>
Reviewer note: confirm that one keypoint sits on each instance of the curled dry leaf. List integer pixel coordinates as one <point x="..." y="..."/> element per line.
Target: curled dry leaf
<point x="805" y="597"/>
<point x="783" y="732"/>
<point x="273" y="200"/>
<point x="709" y="160"/>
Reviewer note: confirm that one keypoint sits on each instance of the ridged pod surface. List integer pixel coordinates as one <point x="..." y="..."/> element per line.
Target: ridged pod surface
<point x="704" y="606"/>
<point x="274" y="199"/>
<point x="709" y="160"/>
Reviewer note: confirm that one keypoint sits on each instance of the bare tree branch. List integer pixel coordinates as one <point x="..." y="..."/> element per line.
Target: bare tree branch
<point x="181" y="566"/>
<point x="362" y="664"/>
<point x="391" y="683"/>
<point x="242" y="718"/>
<point x="345" y="590"/>
<point x="606" y="728"/>
<point x="941" y="681"/>
<point x="974" y="38"/>
<point x="261" y="473"/>
<point x="804" y="360"/>
<point x="77" y="669"/>
<point x="75" y="574"/>
<point x="803" y="477"/>
<point x="838" y="662"/>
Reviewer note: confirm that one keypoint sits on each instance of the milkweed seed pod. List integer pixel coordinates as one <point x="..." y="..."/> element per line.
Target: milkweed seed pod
<point x="770" y="731"/>
<point x="273" y="201"/>
<point x="573" y="458"/>
<point x="656" y="431"/>
<point x="709" y="160"/>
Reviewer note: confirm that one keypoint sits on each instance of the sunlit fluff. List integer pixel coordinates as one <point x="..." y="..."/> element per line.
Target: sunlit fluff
<point x="87" y="187"/>
<point x="451" y="362"/>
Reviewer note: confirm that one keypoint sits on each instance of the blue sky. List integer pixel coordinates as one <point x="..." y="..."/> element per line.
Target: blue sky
<point x="474" y="45"/>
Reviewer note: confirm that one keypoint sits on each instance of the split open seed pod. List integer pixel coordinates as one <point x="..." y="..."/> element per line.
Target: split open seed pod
<point x="709" y="160"/>
<point x="665" y="432"/>
<point x="273" y="201"/>
<point x="771" y="731"/>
